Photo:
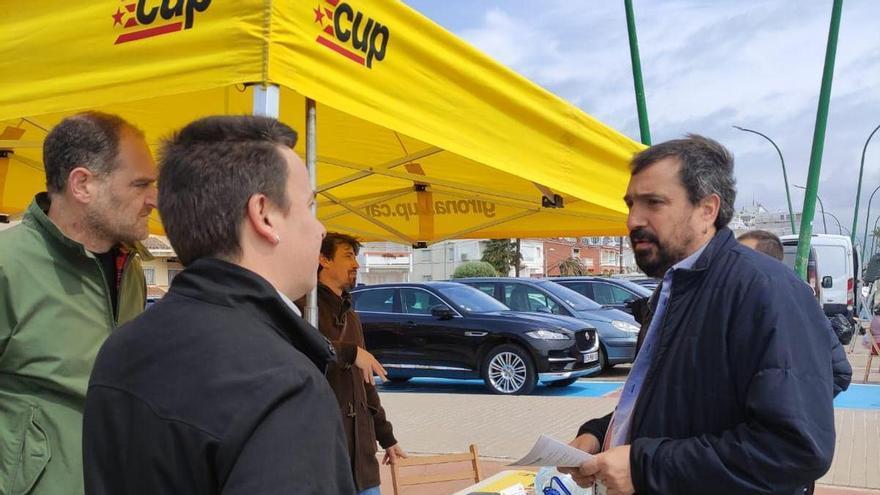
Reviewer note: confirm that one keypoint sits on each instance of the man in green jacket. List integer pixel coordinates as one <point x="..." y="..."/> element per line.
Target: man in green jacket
<point x="69" y="274"/>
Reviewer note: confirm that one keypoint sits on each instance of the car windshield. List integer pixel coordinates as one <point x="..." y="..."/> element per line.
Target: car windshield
<point x="578" y="302"/>
<point x="470" y="300"/>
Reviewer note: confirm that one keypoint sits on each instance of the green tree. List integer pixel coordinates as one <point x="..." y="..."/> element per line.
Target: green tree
<point x="474" y="269"/>
<point x="502" y="255"/>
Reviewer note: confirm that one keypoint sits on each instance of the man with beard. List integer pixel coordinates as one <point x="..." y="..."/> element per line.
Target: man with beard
<point x="70" y="273"/>
<point x="351" y="377"/>
<point x="731" y="389"/>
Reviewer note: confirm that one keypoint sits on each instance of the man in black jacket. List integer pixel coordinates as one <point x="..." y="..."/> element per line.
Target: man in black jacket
<point x="769" y="244"/>
<point x="731" y="390"/>
<point x="219" y="388"/>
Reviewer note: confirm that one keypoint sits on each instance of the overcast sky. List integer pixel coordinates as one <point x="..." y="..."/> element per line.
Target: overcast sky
<point x="707" y="65"/>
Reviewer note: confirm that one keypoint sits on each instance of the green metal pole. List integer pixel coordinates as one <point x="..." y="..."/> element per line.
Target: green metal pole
<point x="644" y="128"/>
<point x="784" y="174"/>
<point x="859" y="188"/>
<point x="800" y="263"/>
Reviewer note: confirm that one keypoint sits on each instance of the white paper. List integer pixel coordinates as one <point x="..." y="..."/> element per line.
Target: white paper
<point x="550" y="452"/>
<point x="516" y="489"/>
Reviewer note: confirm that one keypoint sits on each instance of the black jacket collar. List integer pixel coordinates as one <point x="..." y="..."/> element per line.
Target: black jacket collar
<point x="227" y="284"/>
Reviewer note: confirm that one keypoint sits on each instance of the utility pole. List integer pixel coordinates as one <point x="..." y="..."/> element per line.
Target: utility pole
<point x="809" y="210"/>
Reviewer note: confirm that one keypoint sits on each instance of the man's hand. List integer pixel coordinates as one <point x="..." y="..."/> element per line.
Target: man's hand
<point x="612" y="469"/>
<point x="586" y="442"/>
<point x="369" y="365"/>
<point x="589" y="444"/>
<point x="393" y="453"/>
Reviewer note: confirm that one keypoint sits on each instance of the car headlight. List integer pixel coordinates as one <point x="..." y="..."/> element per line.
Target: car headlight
<point x="625" y="326"/>
<point x="546" y="335"/>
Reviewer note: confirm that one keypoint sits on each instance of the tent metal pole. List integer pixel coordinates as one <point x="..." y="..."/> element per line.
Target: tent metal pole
<point x="311" y="164"/>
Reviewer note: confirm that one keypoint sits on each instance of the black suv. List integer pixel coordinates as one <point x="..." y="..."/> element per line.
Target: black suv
<point x="450" y="330"/>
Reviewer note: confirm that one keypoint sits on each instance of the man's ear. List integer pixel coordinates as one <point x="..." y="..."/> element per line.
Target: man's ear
<point x="323" y="261"/>
<point x="81" y="183"/>
<point x="710" y="207"/>
<point x="258" y="215"/>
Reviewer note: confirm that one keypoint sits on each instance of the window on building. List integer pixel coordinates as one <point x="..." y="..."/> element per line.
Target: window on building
<point x="424" y="255"/>
<point x="172" y="274"/>
<point x="609" y="258"/>
<point x="150" y="275"/>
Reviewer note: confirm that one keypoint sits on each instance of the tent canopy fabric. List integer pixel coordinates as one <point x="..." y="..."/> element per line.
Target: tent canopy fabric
<point x="420" y="137"/>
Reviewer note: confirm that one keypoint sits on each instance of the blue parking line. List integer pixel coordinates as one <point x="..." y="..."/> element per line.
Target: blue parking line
<point x="581" y="388"/>
<point x="859" y="397"/>
<point x="856" y="397"/>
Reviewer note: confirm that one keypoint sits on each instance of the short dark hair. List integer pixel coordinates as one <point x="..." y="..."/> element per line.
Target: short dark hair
<point x="332" y="241"/>
<point x="88" y="139"/>
<point x="766" y="242"/>
<point x="207" y="173"/>
<point x="706" y="168"/>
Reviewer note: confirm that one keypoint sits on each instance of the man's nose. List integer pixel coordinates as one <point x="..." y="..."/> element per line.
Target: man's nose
<point x="152" y="198"/>
<point x="635" y="218"/>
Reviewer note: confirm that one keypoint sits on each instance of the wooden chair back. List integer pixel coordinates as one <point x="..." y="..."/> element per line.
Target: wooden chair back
<point x="470" y="474"/>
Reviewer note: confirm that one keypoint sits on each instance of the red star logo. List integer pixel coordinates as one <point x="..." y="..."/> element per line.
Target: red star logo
<point x="117" y="17"/>
<point x="319" y="16"/>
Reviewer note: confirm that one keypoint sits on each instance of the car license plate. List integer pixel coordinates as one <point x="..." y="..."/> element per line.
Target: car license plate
<point x="591" y="356"/>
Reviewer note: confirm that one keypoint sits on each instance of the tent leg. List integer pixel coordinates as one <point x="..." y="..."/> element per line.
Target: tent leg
<point x="311" y="164"/>
<point x="267" y="100"/>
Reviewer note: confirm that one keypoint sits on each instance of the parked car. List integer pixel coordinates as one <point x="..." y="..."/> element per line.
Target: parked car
<point x="838" y="269"/>
<point x="648" y="283"/>
<point x="617" y="330"/>
<point x="609" y="292"/>
<point x="450" y="330"/>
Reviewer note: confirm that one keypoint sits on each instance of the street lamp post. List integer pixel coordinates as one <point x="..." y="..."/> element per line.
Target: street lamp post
<point x="821" y="208"/>
<point x="832" y="215"/>
<point x="859" y="188"/>
<point x="784" y="173"/>
<point x="868" y="219"/>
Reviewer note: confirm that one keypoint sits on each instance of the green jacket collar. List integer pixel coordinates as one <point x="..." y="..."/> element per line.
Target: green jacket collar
<point x="37" y="216"/>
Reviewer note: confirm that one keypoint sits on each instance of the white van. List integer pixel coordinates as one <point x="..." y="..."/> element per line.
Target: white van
<point x="838" y="268"/>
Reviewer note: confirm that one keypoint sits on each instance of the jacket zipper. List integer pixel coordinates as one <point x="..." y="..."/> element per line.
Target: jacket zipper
<point x="109" y="306"/>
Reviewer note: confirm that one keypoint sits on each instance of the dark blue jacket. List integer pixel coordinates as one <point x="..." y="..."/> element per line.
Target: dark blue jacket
<point x="738" y="398"/>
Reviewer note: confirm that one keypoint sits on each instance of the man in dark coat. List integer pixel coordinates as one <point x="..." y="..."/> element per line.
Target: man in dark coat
<point x="351" y="377"/>
<point x="219" y="388"/>
<point x="731" y="390"/>
<point x="770" y="244"/>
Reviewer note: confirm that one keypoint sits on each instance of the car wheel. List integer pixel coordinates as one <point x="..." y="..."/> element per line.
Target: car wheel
<point x="562" y="383"/>
<point x="508" y="370"/>
<point x="397" y="380"/>
<point x="603" y="358"/>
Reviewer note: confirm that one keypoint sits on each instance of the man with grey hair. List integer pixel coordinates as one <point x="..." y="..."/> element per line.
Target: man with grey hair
<point x="69" y="275"/>
<point x="731" y="389"/>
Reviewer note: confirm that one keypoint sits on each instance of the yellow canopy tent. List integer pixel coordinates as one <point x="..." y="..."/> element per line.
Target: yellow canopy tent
<point x="420" y="137"/>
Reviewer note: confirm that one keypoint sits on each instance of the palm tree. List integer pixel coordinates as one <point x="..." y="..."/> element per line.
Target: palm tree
<point x="571" y="267"/>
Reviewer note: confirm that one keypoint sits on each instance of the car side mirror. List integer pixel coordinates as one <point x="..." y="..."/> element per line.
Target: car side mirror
<point x="827" y="282"/>
<point x="441" y="312"/>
